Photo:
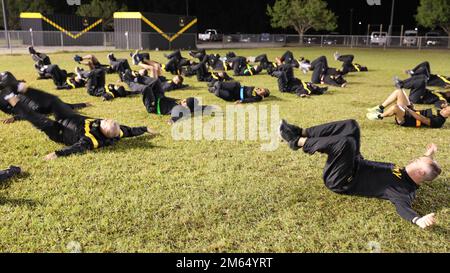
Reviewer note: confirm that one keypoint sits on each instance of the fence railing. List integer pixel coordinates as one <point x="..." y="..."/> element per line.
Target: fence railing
<point x="61" y="40"/>
<point x="249" y="40"/>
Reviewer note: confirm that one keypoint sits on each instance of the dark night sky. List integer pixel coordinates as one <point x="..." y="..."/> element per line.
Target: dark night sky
<point x="249" y="16"/>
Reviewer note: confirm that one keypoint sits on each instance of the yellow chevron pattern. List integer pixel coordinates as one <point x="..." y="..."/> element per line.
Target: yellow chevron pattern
<point x="58" y="27"/>
<point x="138" y="15"/>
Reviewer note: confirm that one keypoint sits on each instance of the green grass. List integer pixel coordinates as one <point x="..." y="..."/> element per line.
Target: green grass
<point x="162" y="195"/>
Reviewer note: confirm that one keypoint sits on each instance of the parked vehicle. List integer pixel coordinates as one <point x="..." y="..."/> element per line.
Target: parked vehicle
<point x="431" y="39"/>
<point x="410" y="37"/>
<point x="379" y="38"/>
<point x="209" y="35"/>
<point x="265" y="37"/>
<point x="329" y="40"/>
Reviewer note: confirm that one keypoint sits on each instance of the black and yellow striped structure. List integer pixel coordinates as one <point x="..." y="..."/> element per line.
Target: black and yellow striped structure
<point x="47" y="29"/>
<point x="154" y="30"/>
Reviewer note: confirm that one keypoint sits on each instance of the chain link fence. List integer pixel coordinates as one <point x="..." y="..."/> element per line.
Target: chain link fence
<point x="17" y="41"/>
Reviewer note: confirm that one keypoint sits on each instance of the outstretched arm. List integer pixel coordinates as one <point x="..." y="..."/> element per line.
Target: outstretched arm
<point x="406" y="212"/>
<point x="80" y="147"/>
<point x="136" y="131"/>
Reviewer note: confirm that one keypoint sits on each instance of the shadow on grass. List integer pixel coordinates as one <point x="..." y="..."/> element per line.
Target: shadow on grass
<point x="18" y="202"/>
<point x="440" y="230"/>
<point x="6" y="184"/>
<point x="136" y="143"/>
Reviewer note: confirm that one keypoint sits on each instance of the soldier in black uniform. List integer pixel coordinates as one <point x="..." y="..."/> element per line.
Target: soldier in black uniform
<point x="79" y="133"/>
<point x="233" y="91"/>
<point x="287" y="82"/>
<point x="347" y="172"/>
<point x="39" y="101"/>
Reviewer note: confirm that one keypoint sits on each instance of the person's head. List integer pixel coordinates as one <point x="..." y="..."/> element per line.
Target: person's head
<point x="445" y="111"/>
<point x="178" y="79"/>
<point x="110" y="128"/>
<point x="423" y="169"/>
<point x="190" y="103"/>
<point x="263" y="92"/>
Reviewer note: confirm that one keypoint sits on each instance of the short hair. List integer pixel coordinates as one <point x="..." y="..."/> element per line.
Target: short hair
<point x="266" y="92"/>
<point x="434" y="170"/>
<point x="112" y="130"/>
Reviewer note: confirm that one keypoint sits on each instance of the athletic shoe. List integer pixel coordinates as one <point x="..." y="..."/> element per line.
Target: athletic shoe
<point x="14" y="170"/>
<point x="305" y="66"/>
<point x="135" y="57"/>
<point x="289" y="132"/>
<point x="409" y="72"/>
<point x="111" y="57"/>
<point x="77" y="58"/>
<point x="373" y="116"/>
<point x="375" y="109"/>
<point x="398" y="83"/>
<point x="31" y="50"/>
<point x="127" y="76"/>
<point x="78" y="71"/>
<point x="336" y="55"/>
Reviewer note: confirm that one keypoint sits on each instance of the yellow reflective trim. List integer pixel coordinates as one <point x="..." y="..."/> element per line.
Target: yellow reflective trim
<point x="87" y="132"/>
<point x="30" y="15"/>
<point x="444" y="79"/>
<point x="418" y="123"/>
<point x="214" y="76"/>
<point x="357" y="68"/>
<point x="108" y="91"/>
<point x="121" y="133"/>
<point x="127" y="15"/>
<point x="439" y="95"/>
<point x="305" y="86"/>
<point x="225" y="67"/>
<point x="70" y="83"/>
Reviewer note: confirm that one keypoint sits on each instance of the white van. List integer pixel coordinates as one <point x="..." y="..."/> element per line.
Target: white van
<point x="379" y="38"/>
<point x="410" y="37"/>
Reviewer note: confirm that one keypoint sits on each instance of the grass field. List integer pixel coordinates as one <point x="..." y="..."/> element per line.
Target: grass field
<point x="162" y="195"/>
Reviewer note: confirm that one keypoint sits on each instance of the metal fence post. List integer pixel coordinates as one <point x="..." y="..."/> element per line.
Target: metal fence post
<point x="420" y="43"/>
<point x="104" y="39"/>
<point x="9" y="41"/>
<point x="31" y="36"/>
<point x="128" y="40"/>
<point x="321" y="40"/>
<point x="62" y="41"/>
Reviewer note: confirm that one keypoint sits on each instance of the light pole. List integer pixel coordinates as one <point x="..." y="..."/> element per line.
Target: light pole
<point x="187" y="7"/>
<point x="392" y="18"/>
<point x="5" y="23"/>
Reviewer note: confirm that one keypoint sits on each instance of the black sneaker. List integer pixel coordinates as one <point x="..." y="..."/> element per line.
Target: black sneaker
<point x="111" y="57"/>
<point x="31" y="50"/>
<point x="127" y="76"/>
<point x="77" y="58"/>
<point x="288" y="132"/>
<point x="14" y="170"/>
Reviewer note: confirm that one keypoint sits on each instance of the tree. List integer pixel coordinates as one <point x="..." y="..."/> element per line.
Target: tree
<point x="302" y="15"/>
<point x="103" y="9"/>
<point x="15" y="7"/>
<point x="434" y="13"/>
